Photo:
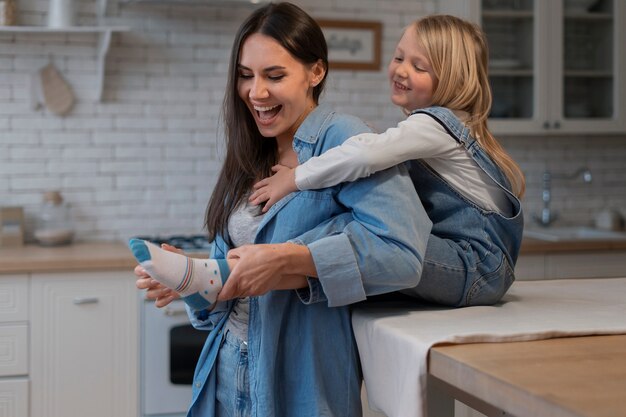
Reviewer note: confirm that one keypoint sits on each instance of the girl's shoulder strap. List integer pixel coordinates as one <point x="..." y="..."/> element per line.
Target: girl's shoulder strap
<point x="450" y="122"/>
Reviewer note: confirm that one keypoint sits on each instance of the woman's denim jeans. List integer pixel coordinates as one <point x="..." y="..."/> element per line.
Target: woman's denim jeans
<point x="233" y="388"/>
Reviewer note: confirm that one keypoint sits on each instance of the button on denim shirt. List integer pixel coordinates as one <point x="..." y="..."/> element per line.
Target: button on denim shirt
<point x="366" y="237"/>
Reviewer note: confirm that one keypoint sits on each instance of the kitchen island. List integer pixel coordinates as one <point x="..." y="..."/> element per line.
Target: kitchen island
<point x="395" y="341"/>
<point x="563" y="377"/>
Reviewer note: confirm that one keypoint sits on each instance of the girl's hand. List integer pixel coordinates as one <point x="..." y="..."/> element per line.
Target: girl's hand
<point x="272" y="189"/>
<point x="154" y="289"/>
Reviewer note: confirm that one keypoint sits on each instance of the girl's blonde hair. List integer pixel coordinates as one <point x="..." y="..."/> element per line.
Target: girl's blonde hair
<point x="458" y="54"/>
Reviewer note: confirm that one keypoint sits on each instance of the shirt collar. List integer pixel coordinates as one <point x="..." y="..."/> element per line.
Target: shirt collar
<point x="311" y="128"/>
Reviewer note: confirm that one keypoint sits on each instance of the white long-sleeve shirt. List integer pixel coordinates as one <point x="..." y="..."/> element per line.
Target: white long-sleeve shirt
<point x="418" y="137"/>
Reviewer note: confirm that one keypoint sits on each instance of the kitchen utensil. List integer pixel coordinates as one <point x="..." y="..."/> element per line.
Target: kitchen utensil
<point x="57" y="93"/>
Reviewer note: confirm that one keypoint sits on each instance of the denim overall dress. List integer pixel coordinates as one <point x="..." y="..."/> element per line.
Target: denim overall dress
<point x="471" y="252"/>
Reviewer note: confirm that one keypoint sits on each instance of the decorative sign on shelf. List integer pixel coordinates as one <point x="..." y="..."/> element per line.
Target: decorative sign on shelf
<point x="353" y="45"/>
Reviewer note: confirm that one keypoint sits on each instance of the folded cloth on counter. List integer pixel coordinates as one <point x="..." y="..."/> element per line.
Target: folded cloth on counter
<point x="394" y="338"/>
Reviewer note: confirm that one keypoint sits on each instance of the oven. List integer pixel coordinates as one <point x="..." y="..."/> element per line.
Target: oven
<point x="170" y="347"/>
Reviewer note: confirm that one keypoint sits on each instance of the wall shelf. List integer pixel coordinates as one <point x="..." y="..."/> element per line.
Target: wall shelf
<point x="104" y="41"/>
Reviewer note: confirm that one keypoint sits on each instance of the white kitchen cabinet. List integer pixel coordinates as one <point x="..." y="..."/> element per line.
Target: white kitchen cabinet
<point x="84" y="345"/>
<point x="554" y="69"/>
<point x="601" y="264"/>
<point x="14" y="346"/>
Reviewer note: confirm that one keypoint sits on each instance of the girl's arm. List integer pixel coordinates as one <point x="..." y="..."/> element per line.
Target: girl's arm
<point x="417" y="137"/>
<point x="358" y="157"/>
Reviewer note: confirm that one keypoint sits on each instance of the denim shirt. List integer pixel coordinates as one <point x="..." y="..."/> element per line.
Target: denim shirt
<point x="486" y="243"/>
<point x="366" y="237"/>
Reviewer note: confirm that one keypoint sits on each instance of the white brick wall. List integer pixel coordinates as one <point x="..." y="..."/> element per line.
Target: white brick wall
<point x="144" y="160"/>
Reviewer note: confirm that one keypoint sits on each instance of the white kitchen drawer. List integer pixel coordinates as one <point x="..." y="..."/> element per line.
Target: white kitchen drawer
<point x="13" y="298"/>
<point x="13" y="350"/>
<point x="14" y="397"/>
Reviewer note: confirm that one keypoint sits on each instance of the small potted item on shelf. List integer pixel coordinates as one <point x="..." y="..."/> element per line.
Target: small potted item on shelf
<point x="61" y="13"/>
<point x="8" y="13"/>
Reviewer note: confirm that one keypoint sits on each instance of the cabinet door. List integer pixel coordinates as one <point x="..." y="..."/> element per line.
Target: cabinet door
<point x="554" y="68"/>
<point x="517" y="70"/>
<point x="13" y="298"/>
<point x="587" y="265"/>
<point x="84" y="345"/>
<point x="587" y="63"/>
<point x="14" y="397"/>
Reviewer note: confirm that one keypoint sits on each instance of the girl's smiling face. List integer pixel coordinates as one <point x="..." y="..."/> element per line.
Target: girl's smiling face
<point x="410" y="74"/>
<point x="276" y="87"/>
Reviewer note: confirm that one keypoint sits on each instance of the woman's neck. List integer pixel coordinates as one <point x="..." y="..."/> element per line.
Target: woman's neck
<point x="286" y="155"/>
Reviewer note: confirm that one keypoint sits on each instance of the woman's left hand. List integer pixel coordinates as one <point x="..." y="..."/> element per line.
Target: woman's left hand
<point x="259" y="269"/>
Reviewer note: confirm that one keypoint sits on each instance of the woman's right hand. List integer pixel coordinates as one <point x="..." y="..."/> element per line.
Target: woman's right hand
<point x="156" y="291"/>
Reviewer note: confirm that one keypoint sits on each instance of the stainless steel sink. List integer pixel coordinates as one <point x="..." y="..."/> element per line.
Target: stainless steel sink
<point x="557" y="234"/>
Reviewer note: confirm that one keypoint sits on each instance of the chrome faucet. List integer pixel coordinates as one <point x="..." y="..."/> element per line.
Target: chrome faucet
<point x="547" y="216"/>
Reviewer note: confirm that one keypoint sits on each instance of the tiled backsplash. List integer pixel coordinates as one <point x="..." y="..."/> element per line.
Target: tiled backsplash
<point x="144" y="160"/>
<point x="574" y="201"/>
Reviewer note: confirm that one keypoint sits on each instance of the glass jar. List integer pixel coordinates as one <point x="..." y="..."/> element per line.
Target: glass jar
<point x="8" y="13"/>
<point x="54" y="224"/>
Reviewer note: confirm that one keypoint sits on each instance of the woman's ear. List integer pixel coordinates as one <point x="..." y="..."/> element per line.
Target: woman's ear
<point x="318" y="71"/>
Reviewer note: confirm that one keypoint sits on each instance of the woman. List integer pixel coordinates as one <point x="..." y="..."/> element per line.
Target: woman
<point x="275" y="351"/>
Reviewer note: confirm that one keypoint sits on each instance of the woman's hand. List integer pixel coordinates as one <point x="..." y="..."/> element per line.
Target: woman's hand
<point x="272" y="189"/>
<point x="156" y="291"/>
<point x="259" y="269"/>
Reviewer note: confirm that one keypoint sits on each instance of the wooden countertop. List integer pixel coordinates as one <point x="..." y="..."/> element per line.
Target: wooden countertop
<point x="536" y="246"/>
<point x="78" y="256"/>
<point x="566" y="377"/>
<point x="115" y="255"/>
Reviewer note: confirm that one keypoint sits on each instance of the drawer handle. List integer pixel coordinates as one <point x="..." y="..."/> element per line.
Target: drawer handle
<point x="85" y="300"/>
<point x="171" y="312"/>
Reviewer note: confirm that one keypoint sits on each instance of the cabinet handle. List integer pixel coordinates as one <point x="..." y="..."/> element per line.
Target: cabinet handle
<point x="85" y="300"/>
<point x="557" y="125"/>
<point x="546" y="125"/>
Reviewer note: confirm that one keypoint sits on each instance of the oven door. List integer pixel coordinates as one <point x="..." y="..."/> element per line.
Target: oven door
<point x="170" y="349"/>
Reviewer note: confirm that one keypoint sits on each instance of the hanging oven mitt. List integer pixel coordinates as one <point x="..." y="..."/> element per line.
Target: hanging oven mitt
<point x="57" y="93"/>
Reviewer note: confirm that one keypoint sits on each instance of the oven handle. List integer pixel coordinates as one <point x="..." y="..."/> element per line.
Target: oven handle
<point x="168" y="311"/>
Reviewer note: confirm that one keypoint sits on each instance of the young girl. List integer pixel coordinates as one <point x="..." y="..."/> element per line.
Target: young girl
<point x="468" y="184"/>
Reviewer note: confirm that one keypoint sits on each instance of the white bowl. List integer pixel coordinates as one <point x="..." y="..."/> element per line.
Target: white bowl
<point x="54" y="237"/>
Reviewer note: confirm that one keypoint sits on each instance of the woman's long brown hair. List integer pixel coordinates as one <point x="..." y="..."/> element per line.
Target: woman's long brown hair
<point x="458" y="54"/>
<point x="249" y="156"/>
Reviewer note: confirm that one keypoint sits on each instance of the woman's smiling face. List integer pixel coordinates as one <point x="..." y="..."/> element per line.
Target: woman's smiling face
<point x="275" y="86"/>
